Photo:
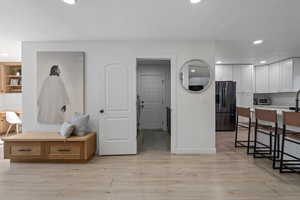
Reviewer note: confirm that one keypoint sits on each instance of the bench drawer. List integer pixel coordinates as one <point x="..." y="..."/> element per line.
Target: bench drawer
<point x="64" y="150"/>
<point x="25" y="149"/>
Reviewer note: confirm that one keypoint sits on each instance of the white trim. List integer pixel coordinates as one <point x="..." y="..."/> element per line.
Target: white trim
<point x="195" y="151"/>
<point x="173" y="69"/>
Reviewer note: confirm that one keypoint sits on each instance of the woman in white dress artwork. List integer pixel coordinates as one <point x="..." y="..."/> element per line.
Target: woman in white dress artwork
<point x="53" y="99"/>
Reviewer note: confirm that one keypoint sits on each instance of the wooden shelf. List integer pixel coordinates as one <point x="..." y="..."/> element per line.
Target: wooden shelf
<point x="10" y="77"/>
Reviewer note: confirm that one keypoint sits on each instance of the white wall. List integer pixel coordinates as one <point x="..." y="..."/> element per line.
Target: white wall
<point x="195" y="122"/>
<point x="11" y="101"/>
<point x="284" y="99"/>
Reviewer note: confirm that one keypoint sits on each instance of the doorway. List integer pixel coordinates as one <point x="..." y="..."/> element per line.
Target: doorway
<point x="153" y="105"/>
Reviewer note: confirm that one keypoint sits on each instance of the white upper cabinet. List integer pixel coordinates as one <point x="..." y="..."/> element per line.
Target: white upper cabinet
<point x="223" y="73"/>
<point x="246" y="78"/>
<point x="236" y="76"/>
<point x="262" y="79"/>
<point x="243" y="75"/>
<point x="282" y="76"/>
<point x="286" y="76"/>
<point x="274" y="75"/>
<point x="296" y="74"/>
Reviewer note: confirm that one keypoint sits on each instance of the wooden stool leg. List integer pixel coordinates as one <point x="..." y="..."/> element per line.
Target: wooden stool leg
<point x="10" y="125"/>
<point x="17" y="129"/>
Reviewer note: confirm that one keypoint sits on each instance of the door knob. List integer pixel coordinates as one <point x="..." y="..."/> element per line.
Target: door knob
<point x="102" y="111"/>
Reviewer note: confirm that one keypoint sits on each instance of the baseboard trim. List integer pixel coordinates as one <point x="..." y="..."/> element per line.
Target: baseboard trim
<point x="195" y="151"/>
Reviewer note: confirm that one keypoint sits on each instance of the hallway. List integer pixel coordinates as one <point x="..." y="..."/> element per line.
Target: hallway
<point x="154" y="141"/>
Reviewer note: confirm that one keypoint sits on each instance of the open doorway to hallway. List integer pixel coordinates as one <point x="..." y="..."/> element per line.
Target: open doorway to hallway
<point x="153" y="105"/>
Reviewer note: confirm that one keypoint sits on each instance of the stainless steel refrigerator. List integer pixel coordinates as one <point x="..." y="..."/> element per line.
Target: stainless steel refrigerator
<point x="225" y="105"/>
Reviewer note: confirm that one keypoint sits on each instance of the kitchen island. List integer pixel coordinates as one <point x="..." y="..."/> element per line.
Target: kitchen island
<point x="290" y="147"/>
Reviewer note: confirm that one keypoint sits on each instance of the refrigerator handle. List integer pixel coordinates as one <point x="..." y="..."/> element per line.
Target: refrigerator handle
<point x="223" y="97"/>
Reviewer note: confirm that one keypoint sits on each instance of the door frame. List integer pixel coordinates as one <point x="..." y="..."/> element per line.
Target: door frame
<point x="173" y="76"/>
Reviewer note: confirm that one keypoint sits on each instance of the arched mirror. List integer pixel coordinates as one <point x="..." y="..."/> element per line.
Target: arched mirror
<point x="196" y="75"/>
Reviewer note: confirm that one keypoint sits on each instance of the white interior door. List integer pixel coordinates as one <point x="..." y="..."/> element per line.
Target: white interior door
<point x="151" y="91"/>
<point x="117" y="120"/>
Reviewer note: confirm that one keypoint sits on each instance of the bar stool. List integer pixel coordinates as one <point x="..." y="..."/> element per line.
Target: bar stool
<point x="290" y="163"/>
<point x="246" y="114"/>
<point x="262" y="150"/>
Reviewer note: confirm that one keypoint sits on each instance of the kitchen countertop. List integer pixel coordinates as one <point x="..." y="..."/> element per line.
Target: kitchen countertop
<point x="273" y="106"/>
<point x="278" y="108"/>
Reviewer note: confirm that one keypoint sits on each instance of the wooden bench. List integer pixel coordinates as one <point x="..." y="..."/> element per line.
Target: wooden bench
<point x="49" y="147"/>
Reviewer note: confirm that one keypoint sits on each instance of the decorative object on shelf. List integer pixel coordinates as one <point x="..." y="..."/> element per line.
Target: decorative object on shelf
<point x="14" y="82"/>
<point x="196" y="76"/>
<point x="60" y="84"/>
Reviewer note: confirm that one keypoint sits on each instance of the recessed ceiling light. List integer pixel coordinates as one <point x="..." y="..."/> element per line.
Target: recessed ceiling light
<point x="256" y="42"/>
<point x="4" y="54"/>
<point x="195" y="1"/>
<point x="193" y="70"/>
<point x="71" y="2"/>
<point x="219" y="62"/>
<point x="263" y="62"/>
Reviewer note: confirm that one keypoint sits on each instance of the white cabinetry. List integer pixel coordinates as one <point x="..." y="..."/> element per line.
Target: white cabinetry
<point x="223" y="72"/>
<point x="247" y="79"/>
<point x="279" y="77"/>
<point x="243" y="76"/>
<point x="236" y="76"/>
<point x="296" y="74"/>
<point x="274" y="74"/>
<point x="262" y="79"/>
<point x="286" y="76"/>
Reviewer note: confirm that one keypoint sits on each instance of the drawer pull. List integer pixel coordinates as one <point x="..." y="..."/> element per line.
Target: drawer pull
<point x="25" y="150"/>
<point x="64" y="150"/>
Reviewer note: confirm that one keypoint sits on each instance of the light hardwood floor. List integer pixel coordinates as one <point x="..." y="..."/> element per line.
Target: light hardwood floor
<point x="152" y="175"/>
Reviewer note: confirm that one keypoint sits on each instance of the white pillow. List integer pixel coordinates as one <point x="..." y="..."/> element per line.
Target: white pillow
<point x="66" y="129"/>
<point x="81" y="124"/>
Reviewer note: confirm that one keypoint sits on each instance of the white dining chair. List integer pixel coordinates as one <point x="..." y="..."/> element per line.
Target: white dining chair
<point x="13" y="119"/>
